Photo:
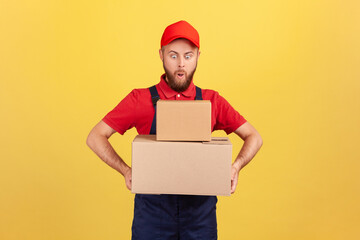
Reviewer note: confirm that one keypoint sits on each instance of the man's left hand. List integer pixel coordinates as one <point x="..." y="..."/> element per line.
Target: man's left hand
<point x="234" y="178"/>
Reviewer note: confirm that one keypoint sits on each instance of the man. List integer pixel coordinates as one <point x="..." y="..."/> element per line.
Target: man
<point x="173" y="216"/>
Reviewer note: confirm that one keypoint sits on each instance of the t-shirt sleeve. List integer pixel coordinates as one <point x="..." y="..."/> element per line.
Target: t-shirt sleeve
<point x="123" y="116"/>
<point x="227" y="118"/>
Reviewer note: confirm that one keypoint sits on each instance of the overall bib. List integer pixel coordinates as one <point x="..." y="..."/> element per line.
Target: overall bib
<point x="173" y="217"/>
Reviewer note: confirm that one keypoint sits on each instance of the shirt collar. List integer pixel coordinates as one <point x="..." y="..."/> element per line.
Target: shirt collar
<point x="169" y="93"/>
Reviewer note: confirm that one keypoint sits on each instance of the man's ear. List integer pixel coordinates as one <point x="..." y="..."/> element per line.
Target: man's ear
<point x="161" y="54"/>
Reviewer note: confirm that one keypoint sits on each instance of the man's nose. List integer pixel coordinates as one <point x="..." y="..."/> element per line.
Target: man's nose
<point x="181" y="62"/>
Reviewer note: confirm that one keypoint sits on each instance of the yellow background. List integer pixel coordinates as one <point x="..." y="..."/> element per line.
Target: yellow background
<point x="291" y="68"/>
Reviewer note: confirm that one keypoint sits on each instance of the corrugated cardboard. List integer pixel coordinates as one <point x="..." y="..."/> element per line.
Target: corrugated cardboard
<point x="183" y="120"/>
<point x="194" y="168"/>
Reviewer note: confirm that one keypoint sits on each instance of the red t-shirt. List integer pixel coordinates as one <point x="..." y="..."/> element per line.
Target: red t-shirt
<point x="136" y="109"/>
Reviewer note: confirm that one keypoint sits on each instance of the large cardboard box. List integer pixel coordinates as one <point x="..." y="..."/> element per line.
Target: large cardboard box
<point x="194" y="168"/>
<point x="183" y="120"/>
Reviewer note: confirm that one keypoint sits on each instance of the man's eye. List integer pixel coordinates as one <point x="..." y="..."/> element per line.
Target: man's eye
<point x="187" y="56"/>
<point x="173" y="56"/>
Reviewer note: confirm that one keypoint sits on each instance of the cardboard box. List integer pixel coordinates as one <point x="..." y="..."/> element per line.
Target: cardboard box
<point x="183" y="120"/>
<point x="192" y="168"/>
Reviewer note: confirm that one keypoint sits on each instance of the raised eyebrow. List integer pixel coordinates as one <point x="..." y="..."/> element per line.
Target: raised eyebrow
<point x="173" y="52"/>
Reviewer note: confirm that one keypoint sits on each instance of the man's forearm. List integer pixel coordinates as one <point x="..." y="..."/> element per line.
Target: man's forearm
<point x="102" y="147"/>
<point x="251" y="146"/>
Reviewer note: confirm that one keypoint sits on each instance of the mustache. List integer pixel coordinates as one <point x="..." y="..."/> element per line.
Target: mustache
<point x="180" y="71"/>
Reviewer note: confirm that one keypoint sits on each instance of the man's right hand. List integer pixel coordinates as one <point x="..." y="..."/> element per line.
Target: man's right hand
<point x="127" y="176"/>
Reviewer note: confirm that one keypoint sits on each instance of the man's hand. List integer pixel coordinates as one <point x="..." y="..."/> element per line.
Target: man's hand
<point x="252" y="144"/>
<point x="127" y="176"/>
<point x="234" y="178"/>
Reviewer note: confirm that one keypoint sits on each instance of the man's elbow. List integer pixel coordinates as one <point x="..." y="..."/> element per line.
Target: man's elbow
<point x="91" y="139"/>
<point x="259" y="139"/>
<point x="256" y="138"/>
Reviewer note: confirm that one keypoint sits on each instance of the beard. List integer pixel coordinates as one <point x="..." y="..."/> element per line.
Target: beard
<point x="176" y="85"/>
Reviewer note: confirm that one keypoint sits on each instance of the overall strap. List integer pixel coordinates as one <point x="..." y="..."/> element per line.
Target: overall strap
<point x="154" y="98"/>
<point x="198" y="93"/>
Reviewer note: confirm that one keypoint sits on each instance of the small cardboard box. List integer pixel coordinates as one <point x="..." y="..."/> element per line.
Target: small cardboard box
<point x="192" y="168"/>
<point x="183" y="120"/>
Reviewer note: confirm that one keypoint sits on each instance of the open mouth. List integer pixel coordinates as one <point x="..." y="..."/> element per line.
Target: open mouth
<point x="180" y="75"/>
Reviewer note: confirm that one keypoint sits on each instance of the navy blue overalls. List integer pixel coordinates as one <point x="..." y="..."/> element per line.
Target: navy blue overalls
<point x="174" y="217"/>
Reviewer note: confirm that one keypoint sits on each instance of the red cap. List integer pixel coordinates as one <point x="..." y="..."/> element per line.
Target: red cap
<point x="181" y="29"/>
